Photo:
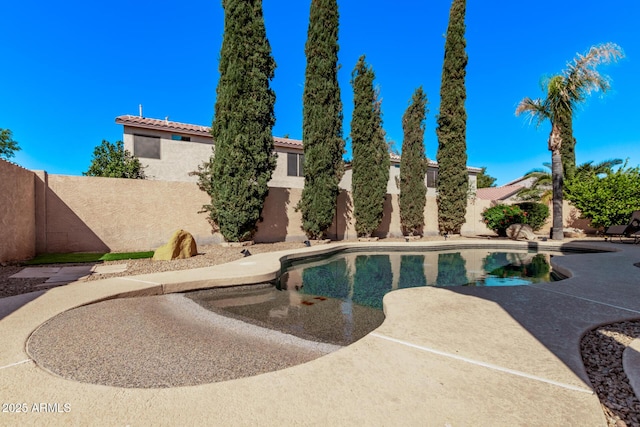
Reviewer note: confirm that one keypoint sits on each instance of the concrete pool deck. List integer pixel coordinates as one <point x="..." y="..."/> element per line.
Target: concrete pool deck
<point x="443" y="356"/>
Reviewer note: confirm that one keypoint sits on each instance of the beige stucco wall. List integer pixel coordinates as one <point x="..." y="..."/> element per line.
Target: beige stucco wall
<point x="42" y="213"/>
<point x="17" y="213"/>
<point x="280" y="177"/>
<point x="85" y="214"/>
<point x="177" y="158"/>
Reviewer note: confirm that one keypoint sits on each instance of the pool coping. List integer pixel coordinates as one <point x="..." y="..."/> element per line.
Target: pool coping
<point x="451" y="374"/>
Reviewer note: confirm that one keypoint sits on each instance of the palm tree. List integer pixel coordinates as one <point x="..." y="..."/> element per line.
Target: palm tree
<point x="588" y="169"/>
<point x="565" y="92"/>
<point x="541" y="185"/>
<point x="540" y="189"/>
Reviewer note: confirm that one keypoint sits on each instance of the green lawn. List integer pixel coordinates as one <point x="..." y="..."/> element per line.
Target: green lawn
<point x="86" y="257"/>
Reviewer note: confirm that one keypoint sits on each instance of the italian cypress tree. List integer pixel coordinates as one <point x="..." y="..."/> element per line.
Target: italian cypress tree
<point x="453" y="178"/>
<point x="244" y="116"/>
<point x="414" y="165"/>
<point x="322" y="120"/>
<point x="370" y="152"/>
<point x="568" y="147"/>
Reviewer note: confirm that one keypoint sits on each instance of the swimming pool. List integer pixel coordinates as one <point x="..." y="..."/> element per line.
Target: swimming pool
<point x="337" y="298"/>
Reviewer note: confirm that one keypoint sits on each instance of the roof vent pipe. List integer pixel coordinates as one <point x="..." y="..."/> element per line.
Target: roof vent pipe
<point x="140" y="108"/>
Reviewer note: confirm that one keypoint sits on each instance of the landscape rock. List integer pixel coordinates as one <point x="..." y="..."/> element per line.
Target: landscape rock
<point x="573" y="232"/>
<point x="520" y="232"/>
<point x="181" y="245"/>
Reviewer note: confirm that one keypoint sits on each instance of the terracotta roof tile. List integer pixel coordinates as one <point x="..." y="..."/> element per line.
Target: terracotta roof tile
<point x="287" y="142"/>
<point x="497" y="193"/>
<point x="163" y="125"/>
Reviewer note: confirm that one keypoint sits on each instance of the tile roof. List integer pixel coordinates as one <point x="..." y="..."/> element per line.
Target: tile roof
<point x="497" y="193"/>
<point x="287" y="142"/>
<point x="167" y="125"/>
<point x="147" y="123"/>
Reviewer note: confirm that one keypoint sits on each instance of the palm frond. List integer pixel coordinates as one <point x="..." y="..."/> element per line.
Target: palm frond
<point x="535" y="109"/>
<point x="582" y="77"/>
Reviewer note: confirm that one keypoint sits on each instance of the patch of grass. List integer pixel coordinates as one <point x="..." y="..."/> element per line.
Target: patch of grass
<point x="126" y="255"/>
<point x="86" y="257"/>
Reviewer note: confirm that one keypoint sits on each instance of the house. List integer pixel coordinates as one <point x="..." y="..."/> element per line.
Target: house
<point x="171" y="150"/>
<point x="393" y="185"/>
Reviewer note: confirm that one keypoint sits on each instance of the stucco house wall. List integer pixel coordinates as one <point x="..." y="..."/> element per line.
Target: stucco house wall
<point x="17" y="213"/>
<point x="178" y="158"/>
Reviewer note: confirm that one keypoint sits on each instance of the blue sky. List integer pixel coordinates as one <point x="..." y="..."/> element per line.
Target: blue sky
<point x="69" y="68"/>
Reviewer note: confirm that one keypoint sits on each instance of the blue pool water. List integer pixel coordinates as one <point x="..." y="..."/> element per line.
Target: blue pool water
<point x="338" y="298"/>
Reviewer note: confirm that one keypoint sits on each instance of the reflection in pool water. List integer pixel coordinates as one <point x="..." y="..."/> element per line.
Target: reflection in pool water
<point x="338" y="299"/>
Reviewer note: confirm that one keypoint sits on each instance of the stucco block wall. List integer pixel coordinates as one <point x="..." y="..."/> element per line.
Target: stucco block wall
<point x="17" y="213"/>
<point x="474" y="225"/>
<point x="109" y="214"/>
<point x="42" y="213"/>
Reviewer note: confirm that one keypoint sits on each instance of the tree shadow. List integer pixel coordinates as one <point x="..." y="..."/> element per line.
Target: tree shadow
<point x="339" y="229"/>
<point x="385" y="225"/>
<point x="64" y="231"/>
<point x="275" y="217"/>
<point x="10" y="304"/>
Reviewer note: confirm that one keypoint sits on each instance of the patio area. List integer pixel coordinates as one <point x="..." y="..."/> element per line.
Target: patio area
<point x="443" y="356"/>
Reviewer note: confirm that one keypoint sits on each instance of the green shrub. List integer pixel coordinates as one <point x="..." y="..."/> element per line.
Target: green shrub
<point x="499" y="217"/>
<point x="535" y="214"/>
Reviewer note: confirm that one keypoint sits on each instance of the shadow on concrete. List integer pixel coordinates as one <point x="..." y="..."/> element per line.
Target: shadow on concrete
<point x="558" y="314"/>
<point x="10" y="304"/>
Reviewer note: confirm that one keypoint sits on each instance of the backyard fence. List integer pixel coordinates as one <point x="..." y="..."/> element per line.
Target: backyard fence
<point x="45" y="213"/>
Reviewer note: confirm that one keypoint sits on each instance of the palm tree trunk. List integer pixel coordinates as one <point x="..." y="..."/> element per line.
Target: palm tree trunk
<point x="557" y="232"/>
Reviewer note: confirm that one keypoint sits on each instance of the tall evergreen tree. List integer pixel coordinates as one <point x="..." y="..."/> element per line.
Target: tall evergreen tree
<point x="322" y="120"/>
<point x="244" y="157"/>
<point x="568" y="147"/>
<point x="370" y="152"/>
<point x="413" y="167"/>
<point x="453" y="178"/>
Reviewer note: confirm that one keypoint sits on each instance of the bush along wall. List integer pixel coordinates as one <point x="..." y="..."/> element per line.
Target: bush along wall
<point x="499" y="217"/>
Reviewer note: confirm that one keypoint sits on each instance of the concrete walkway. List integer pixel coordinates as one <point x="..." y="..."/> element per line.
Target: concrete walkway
<point x="443" y="356"/>
<point x="62" y="275"/>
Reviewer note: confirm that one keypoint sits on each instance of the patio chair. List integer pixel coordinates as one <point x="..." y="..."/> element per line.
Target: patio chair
<point x="631" y="230"/>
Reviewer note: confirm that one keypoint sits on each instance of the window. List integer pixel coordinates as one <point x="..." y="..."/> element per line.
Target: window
<point x="147" y="147"/>
<point x="432" y="178"/>
<point x="180" y="138"/>
<point x="295" y="163"/>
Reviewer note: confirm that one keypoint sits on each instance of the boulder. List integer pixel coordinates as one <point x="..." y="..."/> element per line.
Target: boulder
<point x="520" y="232"/>
<point x="181" y="245"/>
<point x="573" y="233"/>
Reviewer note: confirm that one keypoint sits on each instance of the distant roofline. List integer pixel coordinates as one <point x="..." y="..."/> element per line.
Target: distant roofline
<point x="205" y="131"/>
<point x="498" y="193"/>
<point x="186" y="128"/>
<point x="395" y="158"/>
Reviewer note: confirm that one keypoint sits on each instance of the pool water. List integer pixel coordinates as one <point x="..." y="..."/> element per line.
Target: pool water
<point x="338" y="298"/>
